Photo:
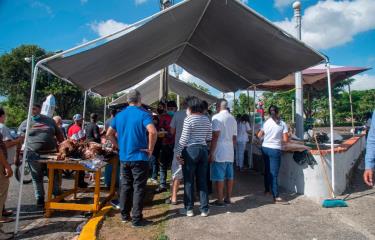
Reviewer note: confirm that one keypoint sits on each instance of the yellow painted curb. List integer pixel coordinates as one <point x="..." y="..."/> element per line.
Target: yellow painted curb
<point x="89" y="230"/>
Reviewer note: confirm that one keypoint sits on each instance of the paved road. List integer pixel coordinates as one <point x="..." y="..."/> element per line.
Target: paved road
<point x="32" y="217"/>
<point x="253" y="216"/>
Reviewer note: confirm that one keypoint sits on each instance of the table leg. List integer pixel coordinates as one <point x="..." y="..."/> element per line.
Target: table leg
<point x="97" y="191"/>
<point x="76" y="177"/>
<point x="51" y="175"/>
<point x="113" y="177"/>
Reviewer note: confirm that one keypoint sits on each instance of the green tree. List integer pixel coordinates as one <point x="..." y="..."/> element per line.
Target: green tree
<point x="15" y="84"/>
<point x="243" y="104"/>
<point x="199" y="87"/>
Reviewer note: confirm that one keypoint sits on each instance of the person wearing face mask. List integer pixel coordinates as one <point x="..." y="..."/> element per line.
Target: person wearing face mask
<point x="274" y="133"/>
<point x="167" y="141"/>
<point x="42" y="139"/>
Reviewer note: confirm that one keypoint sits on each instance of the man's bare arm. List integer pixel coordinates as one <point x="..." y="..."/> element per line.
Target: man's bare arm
<point x="111" y="136"/>
<point x="152" y="137"/>
<point x="215" y="138"/>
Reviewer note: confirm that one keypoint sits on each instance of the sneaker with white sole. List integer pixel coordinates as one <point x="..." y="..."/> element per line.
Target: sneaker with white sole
<point x="189" y="213"/>
<point x="205" y="214"/>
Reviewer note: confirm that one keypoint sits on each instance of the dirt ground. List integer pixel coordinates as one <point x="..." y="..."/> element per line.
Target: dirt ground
<point x="155" y="210"/>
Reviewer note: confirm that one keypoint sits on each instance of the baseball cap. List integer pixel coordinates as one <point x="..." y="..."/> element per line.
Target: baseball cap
<point x="77" y="117"/>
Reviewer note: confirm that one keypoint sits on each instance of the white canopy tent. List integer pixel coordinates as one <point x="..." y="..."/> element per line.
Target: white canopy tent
<point x="150" y="91"/>
<point x="223" y="42"/>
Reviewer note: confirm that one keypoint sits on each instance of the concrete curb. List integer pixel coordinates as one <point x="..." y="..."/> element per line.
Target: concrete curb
<point x="90" y="229"/>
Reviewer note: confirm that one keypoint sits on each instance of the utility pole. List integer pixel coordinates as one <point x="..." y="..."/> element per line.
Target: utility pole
<point x="164" y="74"/>
<point x="298" y="77"/>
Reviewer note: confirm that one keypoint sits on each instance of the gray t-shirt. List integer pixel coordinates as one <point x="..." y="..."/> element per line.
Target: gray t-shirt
<point x="7" y="136"/>
<point x="178" y="123"/>
<point x="42" y="134"/>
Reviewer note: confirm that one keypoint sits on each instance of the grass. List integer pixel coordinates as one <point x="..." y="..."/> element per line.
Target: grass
<point x="155" y="210"/>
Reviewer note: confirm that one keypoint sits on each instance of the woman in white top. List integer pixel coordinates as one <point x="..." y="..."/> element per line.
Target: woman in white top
<point x="274" y="131"/>
<point x="243" y="130"/>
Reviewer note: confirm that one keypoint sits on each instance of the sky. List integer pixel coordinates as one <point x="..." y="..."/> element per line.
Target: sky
<point x="344" y="30"/>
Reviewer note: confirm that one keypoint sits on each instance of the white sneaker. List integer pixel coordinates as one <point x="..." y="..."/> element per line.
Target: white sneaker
<point x="205" y="214"/>
<point x="190" y="213"/>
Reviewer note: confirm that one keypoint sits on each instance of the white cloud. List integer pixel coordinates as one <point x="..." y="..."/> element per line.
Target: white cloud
<point x="45" y="7"/>
<point x="139" y="2"/>
<point x="363" y="82"/>
<point x="104" y="28"/>
<point x="84" y="40"/>
<point x="332" y="23"/>
<point x="187" y="77"/>
<point x="282" y="3"/>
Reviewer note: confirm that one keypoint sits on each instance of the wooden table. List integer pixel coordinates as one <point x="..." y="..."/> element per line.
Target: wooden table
<point x="56" y="204"/>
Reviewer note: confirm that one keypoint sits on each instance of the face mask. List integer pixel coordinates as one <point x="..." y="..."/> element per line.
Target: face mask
<point x="160" y="111"/>
<point x="170" y="113"/>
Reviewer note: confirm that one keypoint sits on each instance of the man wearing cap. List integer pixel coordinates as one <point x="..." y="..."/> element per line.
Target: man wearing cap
<point x="135" y="148"/>
<point x="42" y="139"/>
<point x="75" y="132"/>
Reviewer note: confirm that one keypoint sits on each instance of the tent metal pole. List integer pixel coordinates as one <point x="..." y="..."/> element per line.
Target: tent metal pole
<point x="28" y="125"/>
<point x="105" y="110"/>
<point x="351" y="107"/>
<point x="178" y="102"/>
<point x="84" y="110"/>
<point x="298" y="77"/>
<point x="293" y="121"/>
<point x="248" y="101"/>
<point x="252" y="131"/>
<point x="331" y="125"/>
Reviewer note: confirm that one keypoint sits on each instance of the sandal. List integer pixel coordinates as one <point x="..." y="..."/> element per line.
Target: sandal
<point x="7" y="213"/>
<point x="6" y="220"/>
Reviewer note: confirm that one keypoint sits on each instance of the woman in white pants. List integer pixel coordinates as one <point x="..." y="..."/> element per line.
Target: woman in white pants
<point x="243" y="131"/>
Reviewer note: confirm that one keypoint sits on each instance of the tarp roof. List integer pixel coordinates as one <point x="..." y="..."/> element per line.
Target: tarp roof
<point x="150" y="91"/>
<point x="313" y="77"/>
<point x="222" y="42"/>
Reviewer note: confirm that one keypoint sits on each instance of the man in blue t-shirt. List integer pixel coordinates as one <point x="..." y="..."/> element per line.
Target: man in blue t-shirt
<point x="131" y="126"/>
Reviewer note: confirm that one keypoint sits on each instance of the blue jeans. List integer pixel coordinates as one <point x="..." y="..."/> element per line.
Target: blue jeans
<point x="37" y="174"/>
<point x="195" y="163"/>
<point x="154" y="167"/>
<point x="272" y="161"/>
<point x="166" y="158"/>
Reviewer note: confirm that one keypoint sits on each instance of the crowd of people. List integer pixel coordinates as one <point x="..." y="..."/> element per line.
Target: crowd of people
<point x="199" y="147"/>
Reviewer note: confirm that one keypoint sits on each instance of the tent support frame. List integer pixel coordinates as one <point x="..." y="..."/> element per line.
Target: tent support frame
<point x="251" y="161"/>
<point x="330" y="100"/>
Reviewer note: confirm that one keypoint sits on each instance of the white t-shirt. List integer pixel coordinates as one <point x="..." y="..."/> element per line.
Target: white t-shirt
<point x="273" y="133"/>
<point x="226" y="124"/>
<point x="242" y="135"/>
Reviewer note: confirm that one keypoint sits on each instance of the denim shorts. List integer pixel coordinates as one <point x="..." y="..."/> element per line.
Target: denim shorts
<point x="221" y="171"/>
